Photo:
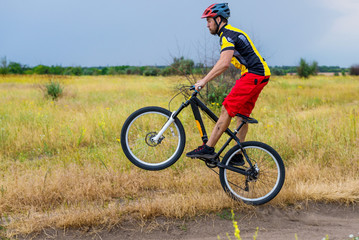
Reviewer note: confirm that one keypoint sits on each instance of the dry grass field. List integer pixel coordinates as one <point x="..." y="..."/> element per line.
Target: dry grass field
<point x="62" y="166"/>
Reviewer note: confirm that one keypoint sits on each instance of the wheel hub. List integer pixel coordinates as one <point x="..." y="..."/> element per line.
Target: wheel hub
<point x="254" y="174"/>
<point x="149" y="139"/>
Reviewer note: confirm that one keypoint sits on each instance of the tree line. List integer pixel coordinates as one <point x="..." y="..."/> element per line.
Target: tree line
<point x="313" y="68"/>
<point x="179" y="66"/>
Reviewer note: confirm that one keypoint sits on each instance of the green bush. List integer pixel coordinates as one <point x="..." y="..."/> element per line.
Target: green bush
<point x="216" y="94"/>
<point x="57" y="70"/>
<point x="111" y="71"/>
<point x="151" y="71"/>
<point x="182" y="66"/>
<point x="218" y="89"/>
<point x="166" y="71"/>
<point x="354" y="70"/>
<point x="15" y="68"/>
<point x="135" y="70"/>
<point x="3" y="67"/>
<point x="278" y="71"/>
<point x="93" y="71"/>
<point x="41" y="69"/>
<point x="54" y="90"/>
<point x="304" y="70"/>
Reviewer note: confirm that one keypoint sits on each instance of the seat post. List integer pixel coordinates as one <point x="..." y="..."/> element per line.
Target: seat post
<point x="240" y="126"/>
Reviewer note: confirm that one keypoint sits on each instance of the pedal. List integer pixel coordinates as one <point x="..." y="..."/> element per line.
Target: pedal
<point x="211" y="164"/>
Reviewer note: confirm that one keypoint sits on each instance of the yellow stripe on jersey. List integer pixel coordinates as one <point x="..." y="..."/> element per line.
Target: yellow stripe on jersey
<point x="226" y="44"/>
<point x="234" y="61"/>
<point x="238" y="65"/>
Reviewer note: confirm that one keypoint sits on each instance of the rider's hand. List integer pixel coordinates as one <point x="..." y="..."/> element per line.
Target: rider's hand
<point x="200" y="84"/>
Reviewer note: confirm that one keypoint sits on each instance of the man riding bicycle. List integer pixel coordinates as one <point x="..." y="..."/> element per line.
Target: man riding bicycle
<point x="238" y="49"/>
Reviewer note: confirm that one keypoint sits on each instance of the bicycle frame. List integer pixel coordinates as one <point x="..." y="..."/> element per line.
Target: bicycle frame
<point x="197" y="104"/>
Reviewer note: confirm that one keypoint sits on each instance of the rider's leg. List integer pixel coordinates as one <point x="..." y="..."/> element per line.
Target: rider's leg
<point x="207" y="150"/>
<point x="221" y="126"/>
<point x="243" y="131"/>
<point x="238" y="159"/>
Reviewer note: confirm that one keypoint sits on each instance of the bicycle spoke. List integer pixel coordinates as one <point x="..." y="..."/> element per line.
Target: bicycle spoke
<point x="263" y="179"/>
<point x="145" y="127"/>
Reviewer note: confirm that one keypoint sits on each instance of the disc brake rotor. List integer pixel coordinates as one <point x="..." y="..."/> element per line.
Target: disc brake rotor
<point x="149" y="139"/>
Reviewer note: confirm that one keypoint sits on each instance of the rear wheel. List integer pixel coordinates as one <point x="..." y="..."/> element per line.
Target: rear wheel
<point x="266" y="175"/>
<point x="137" y="136"/>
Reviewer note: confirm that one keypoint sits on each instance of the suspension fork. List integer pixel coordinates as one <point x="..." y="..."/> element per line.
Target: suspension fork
<point x="164" y="128"/>
<point x="170" y="120"/>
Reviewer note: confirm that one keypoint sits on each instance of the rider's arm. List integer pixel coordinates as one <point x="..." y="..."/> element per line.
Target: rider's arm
<point x="222" y="64"/>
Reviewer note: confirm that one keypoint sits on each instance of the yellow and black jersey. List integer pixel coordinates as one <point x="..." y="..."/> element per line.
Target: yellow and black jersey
<point x="245" y="57"/>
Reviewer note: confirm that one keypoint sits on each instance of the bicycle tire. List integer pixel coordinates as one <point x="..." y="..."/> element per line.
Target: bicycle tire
<point x="269" y="180"/>
<point x="136" y="135"/>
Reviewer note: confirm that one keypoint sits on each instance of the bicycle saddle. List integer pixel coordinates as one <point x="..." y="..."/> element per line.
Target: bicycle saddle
<point x="247" y="119"/>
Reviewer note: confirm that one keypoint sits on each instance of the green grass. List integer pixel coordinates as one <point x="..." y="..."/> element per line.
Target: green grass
<point x="61" y="163"/>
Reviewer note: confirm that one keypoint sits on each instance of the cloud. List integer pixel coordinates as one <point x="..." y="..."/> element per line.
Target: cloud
<point x="344" y="28"/>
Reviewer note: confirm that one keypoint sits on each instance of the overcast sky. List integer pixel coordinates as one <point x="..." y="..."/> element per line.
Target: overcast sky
<point x="143" y="32"/>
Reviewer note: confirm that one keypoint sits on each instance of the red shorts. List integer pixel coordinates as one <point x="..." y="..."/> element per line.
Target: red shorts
<point x="244" y="94"/>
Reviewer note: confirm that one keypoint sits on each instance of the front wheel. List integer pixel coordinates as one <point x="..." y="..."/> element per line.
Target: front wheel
<point x="138" y="133"/>
<point x="266" y="176"/>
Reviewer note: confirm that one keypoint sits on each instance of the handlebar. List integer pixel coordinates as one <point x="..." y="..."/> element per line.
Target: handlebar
<point x="193" y="88"/>
<point x="185" y="93"/>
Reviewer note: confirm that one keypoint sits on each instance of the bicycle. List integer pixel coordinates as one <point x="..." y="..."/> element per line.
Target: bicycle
<point x="153" y="138"/>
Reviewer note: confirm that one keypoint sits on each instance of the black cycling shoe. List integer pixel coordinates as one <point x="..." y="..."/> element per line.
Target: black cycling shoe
<point x="202" y="152"/>
<point x="237" y="160"/>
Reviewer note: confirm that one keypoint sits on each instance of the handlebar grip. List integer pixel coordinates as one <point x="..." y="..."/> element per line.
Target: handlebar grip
<point x="193" y="88"/>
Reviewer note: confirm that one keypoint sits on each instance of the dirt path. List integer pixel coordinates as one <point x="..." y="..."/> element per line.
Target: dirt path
<point x="313" y="222"/>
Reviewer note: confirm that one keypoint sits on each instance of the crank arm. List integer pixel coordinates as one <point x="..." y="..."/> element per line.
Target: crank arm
<point x="234" y="169"/>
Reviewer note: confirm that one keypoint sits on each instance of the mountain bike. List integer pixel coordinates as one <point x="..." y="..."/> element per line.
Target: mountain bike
<point x="153" y="138"/>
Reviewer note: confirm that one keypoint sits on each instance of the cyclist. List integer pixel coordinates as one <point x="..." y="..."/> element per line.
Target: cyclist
<point x="238" y="49"/>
